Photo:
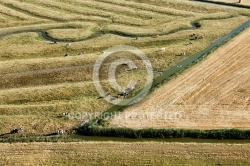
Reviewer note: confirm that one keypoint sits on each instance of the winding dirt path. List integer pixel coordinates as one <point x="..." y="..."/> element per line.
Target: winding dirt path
<point x="213" y="94"/>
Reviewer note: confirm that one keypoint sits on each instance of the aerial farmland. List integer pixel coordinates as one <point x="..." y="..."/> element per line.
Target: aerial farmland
<point x="75" y="75"/>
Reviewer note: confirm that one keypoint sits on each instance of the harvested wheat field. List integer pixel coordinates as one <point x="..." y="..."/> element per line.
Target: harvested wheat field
<point x="118" y="153"/>
<point x="213" y="94"/>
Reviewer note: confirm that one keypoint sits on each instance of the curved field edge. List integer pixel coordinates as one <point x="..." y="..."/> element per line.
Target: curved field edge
<point x="93" y="127"/>
<point x="45" y="30"/>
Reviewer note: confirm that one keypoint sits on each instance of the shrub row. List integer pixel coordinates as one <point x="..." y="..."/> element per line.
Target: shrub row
<point x="35" y="138"/>
<point x="164" y="133"/>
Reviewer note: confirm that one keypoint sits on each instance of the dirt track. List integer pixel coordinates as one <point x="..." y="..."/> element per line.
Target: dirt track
<point x="213" y="94"/>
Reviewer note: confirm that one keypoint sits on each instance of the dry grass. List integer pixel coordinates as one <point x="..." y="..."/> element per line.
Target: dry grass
<point x="120" y="153"/>
<point x="76" y="34"/>
<point x="38" y="82"/>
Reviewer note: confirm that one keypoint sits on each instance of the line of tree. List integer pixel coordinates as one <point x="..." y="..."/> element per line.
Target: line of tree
<point x="164" y="133"/>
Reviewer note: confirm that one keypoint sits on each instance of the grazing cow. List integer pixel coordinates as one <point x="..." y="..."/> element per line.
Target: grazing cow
<point x="156" y="36"/>
<point x="195" y="37"/>
<point x="54" y="42"/>
<point x="66" y="54"/>
<point x="17" y="130"/>
<point x="135" y="68"/>
<point x="183" y="53"/>
<point x="137" y="38"/>
<point x="59" y="131"/>
<point x="162" y="49"/>
<point x="65" y="113"/>
<point x="125" y="63"/>
<point x="192" y="35"/>
<point x="121" y="95"/>
<point x="201" y="37"/>
<point x="80" y="53"/>
<point x="68" y="44"/>
<point x="128" y="91"/>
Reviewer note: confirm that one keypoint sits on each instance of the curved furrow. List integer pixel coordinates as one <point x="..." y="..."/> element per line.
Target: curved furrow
<point x="8" y="10"/>
<point x="172" y="27"/>
<point x="45" y="13"/>
<point x="115" y="9"/>
<point x="54" y="108"/>
<point x="69" y="9"/>
<point x="26" y="11"/>
<point x="115" y="30"/>
<point x="188" y="6"/>
<point x="63" y="91"/>
<point x="14" y="14"/>
<point x="161" y="11"/>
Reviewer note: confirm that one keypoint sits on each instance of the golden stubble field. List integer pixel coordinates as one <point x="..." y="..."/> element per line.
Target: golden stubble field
<point x="213" y="94"/>
<point x="122" y="153"/>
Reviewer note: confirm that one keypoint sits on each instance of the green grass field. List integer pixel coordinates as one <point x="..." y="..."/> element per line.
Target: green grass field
<point x="38" y="83"/>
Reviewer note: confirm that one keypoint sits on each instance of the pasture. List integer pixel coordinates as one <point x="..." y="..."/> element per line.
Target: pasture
<point x="38" y="83"/>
